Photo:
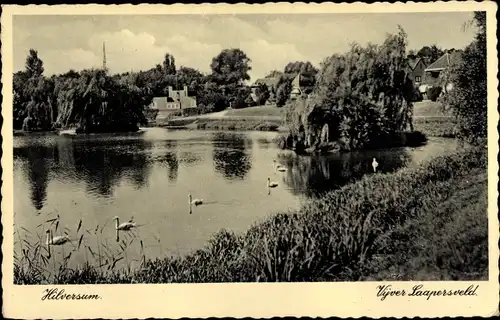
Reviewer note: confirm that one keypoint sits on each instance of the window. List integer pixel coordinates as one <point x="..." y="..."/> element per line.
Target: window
<point x="417" y="79"/>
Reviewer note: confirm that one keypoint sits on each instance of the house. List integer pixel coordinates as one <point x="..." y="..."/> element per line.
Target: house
<point x="302" y="84"/>
<point x="416" y="67"/>
<point x="175" y="101"/>
<point x="434" y="70"/>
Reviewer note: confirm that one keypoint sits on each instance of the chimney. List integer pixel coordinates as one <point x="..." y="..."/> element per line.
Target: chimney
<point x="170" y="89"/>
<point x="185" y="91"/>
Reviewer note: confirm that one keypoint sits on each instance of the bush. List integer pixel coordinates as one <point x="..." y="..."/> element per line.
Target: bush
<point x="433" y="93"/>
<point x="468" y="97"/>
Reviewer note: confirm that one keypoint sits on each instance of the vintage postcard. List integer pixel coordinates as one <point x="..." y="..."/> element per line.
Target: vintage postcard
<point x="281" y="159"/>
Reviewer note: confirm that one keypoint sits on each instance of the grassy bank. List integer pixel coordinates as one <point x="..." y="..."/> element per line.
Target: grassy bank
<point x="422" y="223"/>
<point x="224" y="123"/>
<point x="435" y="126"/>
<point x="237" y="124"/>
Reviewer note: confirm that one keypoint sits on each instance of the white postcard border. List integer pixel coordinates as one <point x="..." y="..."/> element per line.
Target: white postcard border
<point x="237" y="299"/>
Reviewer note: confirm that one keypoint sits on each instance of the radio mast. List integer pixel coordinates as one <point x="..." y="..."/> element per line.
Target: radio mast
<point x="104" y="55"/>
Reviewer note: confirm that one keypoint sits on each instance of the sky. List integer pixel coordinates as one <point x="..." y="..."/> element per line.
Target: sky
<point x="140" y="42"/>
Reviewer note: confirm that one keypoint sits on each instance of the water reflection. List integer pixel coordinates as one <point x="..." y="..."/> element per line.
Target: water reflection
<point x="230" y="155"/>
<point x="106" y="164"/>
<point x="165" y="154"/>
<point x="314" y="175"/>
<point x="101" y="165"/>
<point x="37" y="158"/>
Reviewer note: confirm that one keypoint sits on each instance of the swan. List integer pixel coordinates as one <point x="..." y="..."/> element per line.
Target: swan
<point x="196" y="202"/>
<point x="124" y="226"/>
<point x="374" y="165"/>
<point x="70" y="132"/>
<point x="281" y="169"/>
<point x="278" y="166"/>
<point x="57" y="241"/>
<point x="271" y="184"/>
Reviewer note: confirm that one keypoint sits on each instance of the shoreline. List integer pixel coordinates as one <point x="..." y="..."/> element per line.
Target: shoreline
<point x="387" y="204"/>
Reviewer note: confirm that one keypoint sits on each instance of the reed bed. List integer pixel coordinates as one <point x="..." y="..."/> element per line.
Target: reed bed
<point x="350" y="234"/>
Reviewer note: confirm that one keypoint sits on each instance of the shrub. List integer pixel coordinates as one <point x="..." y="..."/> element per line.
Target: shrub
<point x="468" y="97"/>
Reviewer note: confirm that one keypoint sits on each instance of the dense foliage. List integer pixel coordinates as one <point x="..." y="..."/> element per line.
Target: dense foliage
<point x="94" y="101"/>
<point x="90" y="100"/>
<point x="468" y="97"/>
<point x="363" y="96"/>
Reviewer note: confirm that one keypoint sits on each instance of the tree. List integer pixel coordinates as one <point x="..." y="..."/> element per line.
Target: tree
<point x="430" y="53"/>
<point x="283" y="93"/>
<point x="363" y="95"/>
<point x="274" y="74"/>
<point x="169" y="64"/>
<point x="261" y="94"/>
<point x="20" y="99"/>
<point x="211" y="97"/>
<point x="230" y="67"/>
<point x="34" y="65"/>
<point x="297" y="67"/>
<point x="468" y="97"/>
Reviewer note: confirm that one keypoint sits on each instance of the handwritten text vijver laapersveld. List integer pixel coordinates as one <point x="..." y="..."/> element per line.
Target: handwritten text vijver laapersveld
<point x="385" y="291"/>
<point x="60" y="294"/>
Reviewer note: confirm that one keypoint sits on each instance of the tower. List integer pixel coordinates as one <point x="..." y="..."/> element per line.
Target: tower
<point x="104" y="56"/>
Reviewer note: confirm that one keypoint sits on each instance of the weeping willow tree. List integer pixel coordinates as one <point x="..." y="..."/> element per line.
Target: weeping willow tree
<point x="93" y="101"/>
<point x="90" y="100"/>
<point x="363" y="95"/>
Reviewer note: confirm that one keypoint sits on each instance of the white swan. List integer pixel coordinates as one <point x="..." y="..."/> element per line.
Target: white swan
<point x="374" y="165"/>
<point x="271" y="184"/>
<point x="57" y="241"/>
<point x="281" y="169"/>
<point x="196" y="202"/>
<point x="124" y="226"/>
<point x="278" y="167"/>
<point x="69" y="132"/>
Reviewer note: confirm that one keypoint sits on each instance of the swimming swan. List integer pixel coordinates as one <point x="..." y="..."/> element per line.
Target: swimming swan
<point x="57" y="241"/>
<point x="196" y="202"/>
<point x="271" y="184"/>
<point x="278" y="166"/>
<point x="124" y="226"/>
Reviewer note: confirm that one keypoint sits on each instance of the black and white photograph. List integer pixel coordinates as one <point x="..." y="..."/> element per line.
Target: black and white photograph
<point x="251" y="147"/>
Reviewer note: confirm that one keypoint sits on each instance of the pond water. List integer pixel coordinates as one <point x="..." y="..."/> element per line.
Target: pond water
<point x="148" y="176"/>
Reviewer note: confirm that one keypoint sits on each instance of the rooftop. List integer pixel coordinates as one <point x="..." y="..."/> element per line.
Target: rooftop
<point x="444" y="61"/>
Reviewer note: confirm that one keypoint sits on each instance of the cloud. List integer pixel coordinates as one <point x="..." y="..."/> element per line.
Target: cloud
<point x="60" y="61"/>
<point x="277" y="56"/>
<point x="270" y="41"/>
<point x="126" y="50"/>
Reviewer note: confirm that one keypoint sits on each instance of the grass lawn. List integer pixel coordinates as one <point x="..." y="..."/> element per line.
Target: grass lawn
<point x="429" y="108"/>
<point x="259" y="111"/>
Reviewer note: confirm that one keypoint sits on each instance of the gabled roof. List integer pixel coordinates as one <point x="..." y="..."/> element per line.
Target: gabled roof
<point x="303" y="80"/>
<point x="414" y="62"/>
<point x="444" y="61"/>
<point x="296" y="81"/>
